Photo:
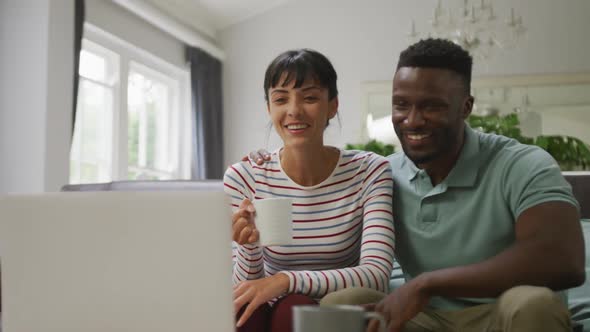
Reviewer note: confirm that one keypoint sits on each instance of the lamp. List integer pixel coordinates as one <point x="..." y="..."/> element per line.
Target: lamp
<point x="531" y="122"/>
<point x="474" y="26"/>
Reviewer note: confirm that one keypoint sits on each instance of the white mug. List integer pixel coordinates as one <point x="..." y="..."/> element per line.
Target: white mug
<point x="337" y="318"/>
<point x="273" y="221"/>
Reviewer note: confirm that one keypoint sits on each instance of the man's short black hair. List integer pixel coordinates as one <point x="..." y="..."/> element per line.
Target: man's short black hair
<point x="438" y="53"/>
<point x="299" y="65"/>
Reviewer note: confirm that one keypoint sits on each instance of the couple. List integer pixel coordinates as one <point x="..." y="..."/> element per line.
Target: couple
<point x="486" y="229"/>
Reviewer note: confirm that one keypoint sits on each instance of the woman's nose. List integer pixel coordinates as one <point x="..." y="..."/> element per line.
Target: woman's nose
<point x="295" y="108"/>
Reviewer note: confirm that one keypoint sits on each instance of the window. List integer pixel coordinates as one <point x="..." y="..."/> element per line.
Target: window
<point x="151" y="148"/>
<point x="90" y="159"/>
<point x="132" y="115"/>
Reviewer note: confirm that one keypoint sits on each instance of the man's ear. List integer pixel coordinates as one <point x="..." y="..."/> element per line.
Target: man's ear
<point x="467" y="107"/>
<point x="333" y="108"/>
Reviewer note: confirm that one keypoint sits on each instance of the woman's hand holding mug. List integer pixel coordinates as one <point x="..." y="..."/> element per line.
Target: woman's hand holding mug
<point x="243" y="228"/>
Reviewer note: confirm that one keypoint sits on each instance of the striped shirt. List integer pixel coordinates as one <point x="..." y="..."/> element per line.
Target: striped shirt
<point x="342" y="228"/>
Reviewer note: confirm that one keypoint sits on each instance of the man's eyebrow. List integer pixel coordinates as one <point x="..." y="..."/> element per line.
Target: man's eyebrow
<point x="278" y="91"/>
<point x="434" y="100"/>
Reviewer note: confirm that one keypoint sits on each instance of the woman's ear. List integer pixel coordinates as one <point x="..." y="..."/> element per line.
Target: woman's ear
<point x="333" y="104"/>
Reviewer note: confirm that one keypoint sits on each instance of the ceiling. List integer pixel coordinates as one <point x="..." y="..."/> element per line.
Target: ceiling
<point x="210" y="16"/>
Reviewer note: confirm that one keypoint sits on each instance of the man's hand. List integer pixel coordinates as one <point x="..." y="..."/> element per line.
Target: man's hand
<point x="401" y="306"/>
<point x="260" y="157"/>
<point x="243" y="228"/>
<point x="254" y="293"/>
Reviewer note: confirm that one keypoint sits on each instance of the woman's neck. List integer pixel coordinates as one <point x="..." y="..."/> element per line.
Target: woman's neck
<point x="309" y="166"/>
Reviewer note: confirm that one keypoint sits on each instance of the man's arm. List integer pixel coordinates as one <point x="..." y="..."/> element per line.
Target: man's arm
<point x="548" y="251"/>
<point x="259" y="156"/>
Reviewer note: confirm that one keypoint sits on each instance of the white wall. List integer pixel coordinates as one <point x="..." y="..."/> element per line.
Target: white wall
<point x="36" y="50"/>
<point x="60" y="91"/>
<point x="363" y="39"/>
<point x="36" y="70"/>
<point x="572" y="121"/>
<point x="120" y="22"/>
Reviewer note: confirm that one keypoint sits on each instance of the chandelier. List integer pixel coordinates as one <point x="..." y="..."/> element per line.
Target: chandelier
<point x="474" y="26"/>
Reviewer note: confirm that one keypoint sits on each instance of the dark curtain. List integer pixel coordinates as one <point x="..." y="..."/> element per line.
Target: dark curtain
<point x="79" y="11"/>
<point x="207" y="115"/>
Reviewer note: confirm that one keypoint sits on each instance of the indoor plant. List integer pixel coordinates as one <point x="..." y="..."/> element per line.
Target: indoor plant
<point x="373" y="146"/>
<point x="571" y="153"/>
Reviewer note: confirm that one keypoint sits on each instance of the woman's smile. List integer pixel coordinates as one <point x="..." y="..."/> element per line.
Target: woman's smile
<point x="296" y="128"/>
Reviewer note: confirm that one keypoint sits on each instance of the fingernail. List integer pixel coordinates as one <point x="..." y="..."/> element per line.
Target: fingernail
<point x="251" y="208"/>
<point x="258" y="160"/>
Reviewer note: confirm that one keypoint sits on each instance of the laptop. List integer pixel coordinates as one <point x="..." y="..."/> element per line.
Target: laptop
<point x="116" y="261"/>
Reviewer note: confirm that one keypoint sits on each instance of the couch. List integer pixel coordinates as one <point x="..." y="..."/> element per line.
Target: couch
<point x="167" y="185"/>
<point x="578" y="298"/>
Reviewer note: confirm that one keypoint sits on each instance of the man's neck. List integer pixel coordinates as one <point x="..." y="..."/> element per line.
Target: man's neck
<point x="439" y="169"/>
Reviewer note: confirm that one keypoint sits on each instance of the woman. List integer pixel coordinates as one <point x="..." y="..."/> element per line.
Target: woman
<point x="342" y="219"/>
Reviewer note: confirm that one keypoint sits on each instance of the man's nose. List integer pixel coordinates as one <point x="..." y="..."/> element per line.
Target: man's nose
<point x="415" y="118"/>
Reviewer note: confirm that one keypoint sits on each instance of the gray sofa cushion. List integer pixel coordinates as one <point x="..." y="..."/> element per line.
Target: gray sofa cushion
<point x="166" y="185"/>
<point x="579" y="297"/>
<point x="580" y="182"/>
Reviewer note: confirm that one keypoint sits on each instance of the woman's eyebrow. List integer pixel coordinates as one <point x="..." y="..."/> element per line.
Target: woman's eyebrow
<point x="278" y="91"/>
<point x="303" y="89"/>
<point x="311" y="87"/>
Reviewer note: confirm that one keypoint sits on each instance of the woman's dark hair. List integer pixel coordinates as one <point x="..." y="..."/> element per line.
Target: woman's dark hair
<point x="299" y="65"/>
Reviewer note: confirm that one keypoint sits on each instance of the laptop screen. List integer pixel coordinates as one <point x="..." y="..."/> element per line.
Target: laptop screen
<point x="116" y="261"/>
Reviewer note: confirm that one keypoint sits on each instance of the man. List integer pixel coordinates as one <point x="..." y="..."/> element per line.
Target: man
<point x="486" y="228"/>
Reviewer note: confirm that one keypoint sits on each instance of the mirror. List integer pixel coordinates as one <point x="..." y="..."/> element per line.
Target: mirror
<point x="557" y="104"/>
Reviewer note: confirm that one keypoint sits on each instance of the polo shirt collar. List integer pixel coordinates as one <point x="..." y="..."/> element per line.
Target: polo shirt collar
<point x="465" y="171"/>
<point x="411" y="168"/>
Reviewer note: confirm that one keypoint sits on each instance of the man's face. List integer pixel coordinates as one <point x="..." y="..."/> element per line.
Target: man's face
<point x="429" y="109"/>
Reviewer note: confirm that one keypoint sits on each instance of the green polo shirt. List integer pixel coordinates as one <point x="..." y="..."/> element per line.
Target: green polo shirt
<point x="469" y="217"/>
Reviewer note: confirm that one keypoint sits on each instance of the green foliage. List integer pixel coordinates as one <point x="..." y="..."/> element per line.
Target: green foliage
<point x="373" y="146"/>
<point x="570" y="152"/>
<point x="502" y="125"/>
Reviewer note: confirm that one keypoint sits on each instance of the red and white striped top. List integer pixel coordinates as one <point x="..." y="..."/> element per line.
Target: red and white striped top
<point x="342" y="228"/>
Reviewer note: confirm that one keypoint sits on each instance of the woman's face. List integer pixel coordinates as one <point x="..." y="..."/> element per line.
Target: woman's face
<point x="300" y="115"/>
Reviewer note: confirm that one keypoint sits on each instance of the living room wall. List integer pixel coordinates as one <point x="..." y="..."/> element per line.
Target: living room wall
<point x="36" y="56"/>
<point x="363" y="40"/>
<point x="119" y="22"/>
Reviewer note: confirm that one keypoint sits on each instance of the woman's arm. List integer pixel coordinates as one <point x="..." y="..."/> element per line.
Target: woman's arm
<point x="239" y="185"/>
